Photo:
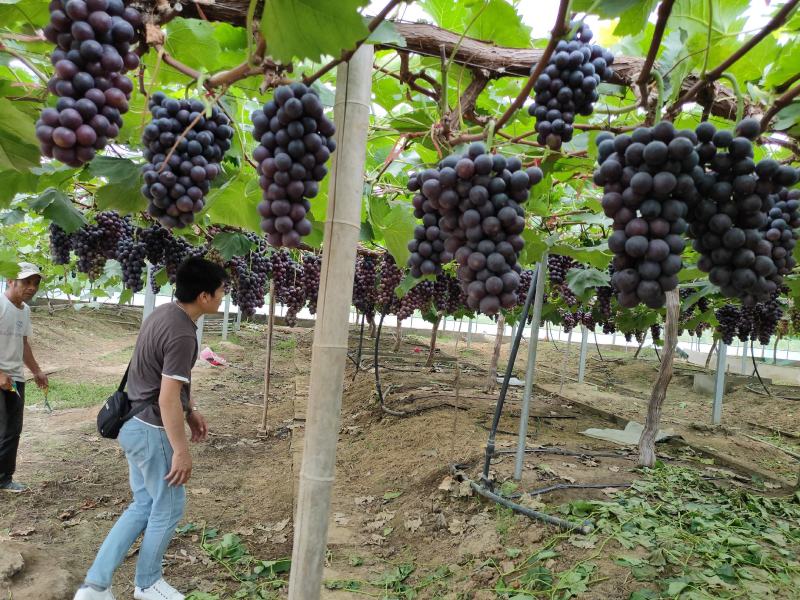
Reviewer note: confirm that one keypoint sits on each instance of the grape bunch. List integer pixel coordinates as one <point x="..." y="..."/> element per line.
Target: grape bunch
<point x="390" y="277"/>
<point x="557" y="268"/>
<point x="365" y="290"/>
<point x="183" y="148"/>
<point x="418" y="297"/>
<point x="94" y="243"/>
<point x="766" y="316"/>
<point x="655" y="332"/>
<point x="475" y="198"/>
<point x="295" y="141"/>
<point x="312" y="265"/>
<point x="93" y="53"/>
<point x="249" y="274"/>
<point x="131" y="255"/>
<point x="448" y="296"/>
<point x="60" y="245"/>
<point x="289" y="288"/>
<point x="568" y="86"/>
<point x="648" y="185"/>
<point x="727" y="222"/>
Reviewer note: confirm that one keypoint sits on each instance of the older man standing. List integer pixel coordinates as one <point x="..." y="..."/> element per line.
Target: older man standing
<point x="15" y="351"/>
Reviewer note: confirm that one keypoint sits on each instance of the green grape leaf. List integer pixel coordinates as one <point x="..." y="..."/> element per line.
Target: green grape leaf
<point x="235" y="202"/>
<point x="397" y="228"/>
<point x="56" y="206"/>
<point x="232" y="244"/>
<point x="192" y="42"/>
<point x="581" y="281"/>
<point x="13" y="183"/>
<point x="311" y="29"/>
<point x="8" y="263"/>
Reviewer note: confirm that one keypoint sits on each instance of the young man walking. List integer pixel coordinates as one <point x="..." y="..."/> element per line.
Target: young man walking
<point x="154" y="440"/>
<point x="15" y="351"/>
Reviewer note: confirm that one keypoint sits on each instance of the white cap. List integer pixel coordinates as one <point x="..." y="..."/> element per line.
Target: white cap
<point x="27" y="269"/>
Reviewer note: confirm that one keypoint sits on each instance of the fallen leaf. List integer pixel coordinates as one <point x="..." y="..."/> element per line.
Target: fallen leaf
<point x="413" y="524"/>
<point x="26" y="531"/>
<point x="447" y="484"/>
<point x="363" y="500"/>
<point x="613" y="468"/>
<point x="244" y="531"/>
<point x="456" y="526"/>
<point x="581" y="542"/>
<point x="200" y="491"/>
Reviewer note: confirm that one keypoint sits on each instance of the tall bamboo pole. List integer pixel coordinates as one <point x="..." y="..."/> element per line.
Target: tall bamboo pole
<point x="329" y="350"/>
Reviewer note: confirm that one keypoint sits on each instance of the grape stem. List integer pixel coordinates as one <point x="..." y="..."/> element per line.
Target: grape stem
<point x="559" y="29"/>
<point x="664" y="11"/>
<point x="736" y="90"/>
<point x="28" y="64"/>
<point x="782" y="102"/>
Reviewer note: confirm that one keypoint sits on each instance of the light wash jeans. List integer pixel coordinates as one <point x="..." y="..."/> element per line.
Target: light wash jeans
<point x="156" y="508"/>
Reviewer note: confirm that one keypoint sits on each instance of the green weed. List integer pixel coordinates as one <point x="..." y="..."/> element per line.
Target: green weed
<point x="69" y="395"/>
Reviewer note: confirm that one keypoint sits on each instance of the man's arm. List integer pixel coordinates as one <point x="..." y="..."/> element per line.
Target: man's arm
<point x="169" y="401"/>
<point x="30" y="362"/>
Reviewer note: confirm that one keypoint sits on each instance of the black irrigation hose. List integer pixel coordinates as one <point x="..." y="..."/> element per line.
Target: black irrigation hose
<point x="360" y="346"/>
<point x="378" y="388"/>
<point x="559" y="451"/>
<point x="584" y="528"/>
<point x="498" y="411"/>
<point x="755" y="368"/>
<point x="572" y="486"/>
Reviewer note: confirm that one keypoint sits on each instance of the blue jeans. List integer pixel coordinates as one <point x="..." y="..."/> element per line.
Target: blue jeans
<point x="156" y="508"/>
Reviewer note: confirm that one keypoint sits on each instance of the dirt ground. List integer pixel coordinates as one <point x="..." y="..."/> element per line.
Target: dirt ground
<point x="394" y="502"/>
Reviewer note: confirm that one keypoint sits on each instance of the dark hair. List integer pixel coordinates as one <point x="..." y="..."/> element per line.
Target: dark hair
<point x="198" y="275"/>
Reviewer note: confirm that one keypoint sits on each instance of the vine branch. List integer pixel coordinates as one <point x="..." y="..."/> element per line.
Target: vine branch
<point x="559" y="29"/>
<point x="779" y="19"/>
<point x="782" y="102"/>
<point x="25" y="61"/>
<point x="664" y="11"/>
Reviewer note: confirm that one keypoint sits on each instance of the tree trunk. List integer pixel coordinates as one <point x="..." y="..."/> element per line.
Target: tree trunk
<point x="639" y="349"/>
<point x="647" y="443"/>
<point x="710" y="353"/>
<point x="498" y="343"/>
<point x="434" y="332"/>
<point x="398" y="336"/>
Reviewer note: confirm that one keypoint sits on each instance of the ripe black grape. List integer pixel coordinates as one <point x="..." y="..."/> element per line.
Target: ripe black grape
<point x="295" y="141"/>
<point x="365" y="290"/>
<point x="92" y="56"/>
<point x="470" y="211"/>
<point x="648" y="193"/>
<point x="568" y="87"/>
<point x="60" y="245"/>
<point x="182" y="162"/>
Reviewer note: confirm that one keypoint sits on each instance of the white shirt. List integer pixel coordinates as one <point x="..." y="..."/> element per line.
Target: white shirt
<point x="15" y="324"/>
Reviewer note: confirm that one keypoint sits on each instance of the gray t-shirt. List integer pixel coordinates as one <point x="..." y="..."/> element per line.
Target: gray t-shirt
<point x="15" y="326"/>
<point x="166" y="347"/>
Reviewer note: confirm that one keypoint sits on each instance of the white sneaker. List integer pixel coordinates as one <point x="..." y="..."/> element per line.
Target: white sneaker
<point x="88" y="593"/>
<point x="160" y="590"/>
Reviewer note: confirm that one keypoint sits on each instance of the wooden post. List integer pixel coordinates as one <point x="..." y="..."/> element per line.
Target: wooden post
<point x="329" y="350"/>
<point x="268" y="365"/>
<point x="432" y="349"/>
<point x="498" y="342"/>
<point x="647" y="443"/>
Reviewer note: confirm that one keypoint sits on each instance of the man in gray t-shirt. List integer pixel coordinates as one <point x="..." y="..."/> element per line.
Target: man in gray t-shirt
<point x="154" y="440"/>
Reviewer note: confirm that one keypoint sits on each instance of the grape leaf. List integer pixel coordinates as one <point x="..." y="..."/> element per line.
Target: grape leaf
<point x="232" y="244"/>
<point x="13" y="183"/>
<point x="8" y="263"/>
<point x="397" y="228"/>
<point x="311" y="29"/>
<point x="56" y="206"/>
<point x="235" y="203"/>
<point x="192" y="42"/>
<point x="582" y="280"/>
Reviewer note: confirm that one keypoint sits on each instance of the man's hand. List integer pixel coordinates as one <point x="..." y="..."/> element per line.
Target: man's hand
<point x="41" y="379"/>
<point x="198" y="426"/>
<point x="181" y="469"/>
<point x="5" y="382"/>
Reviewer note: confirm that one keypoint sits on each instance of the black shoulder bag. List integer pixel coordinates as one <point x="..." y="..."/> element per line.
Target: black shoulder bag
<point x="117" y="410"/>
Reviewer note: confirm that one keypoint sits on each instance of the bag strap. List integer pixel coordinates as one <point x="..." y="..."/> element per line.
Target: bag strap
<point x="124" y="381"/>
<point x="135" y="411"/>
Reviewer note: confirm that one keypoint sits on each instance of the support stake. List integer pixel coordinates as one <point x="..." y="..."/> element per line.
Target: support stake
<point x="149" y="295"/>
<point x="719" y="383"/>
<point x="329" y="351"/>
<point x="530" y="369"/>
<point x="225" y="314"/>
<point x="582" y="359"/>
<point x="268" y="365"/>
